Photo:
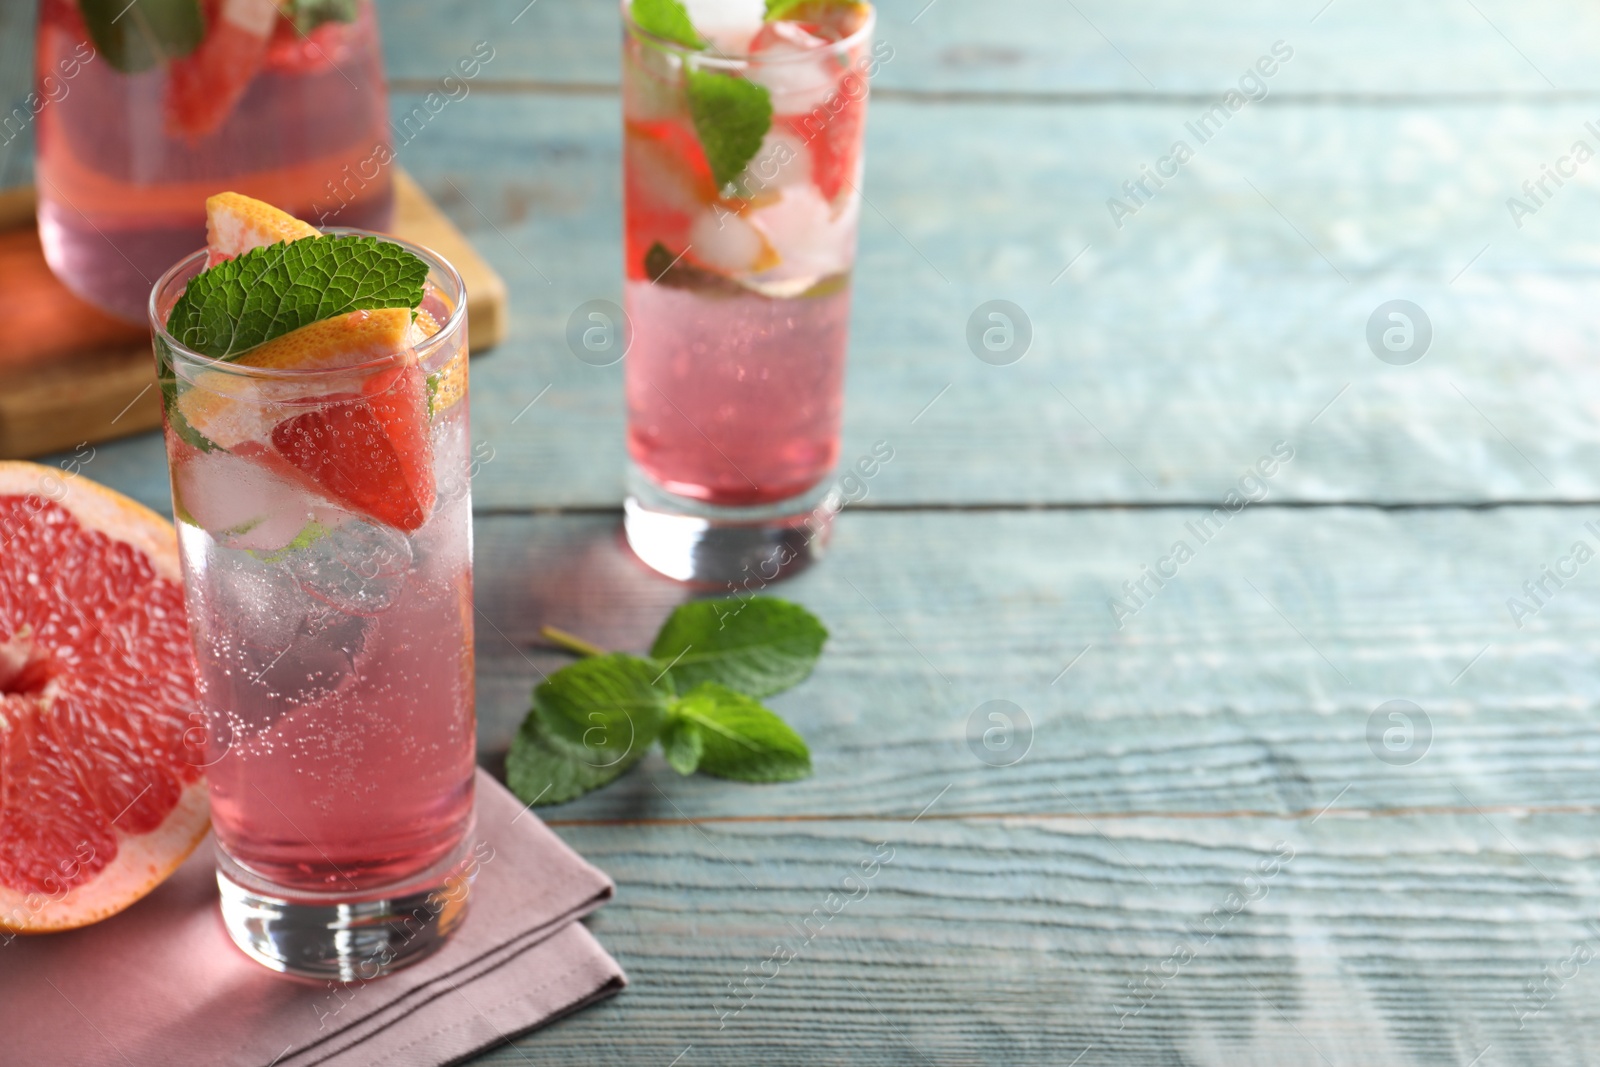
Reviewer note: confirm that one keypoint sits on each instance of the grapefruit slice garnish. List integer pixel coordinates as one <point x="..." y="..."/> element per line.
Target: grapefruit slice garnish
<point x="231" y="409"/>
<point x="363" y="442"/>
<point x="236" y="223"/>
<point x="101" y="791"/>
<point x="366" y="446"/>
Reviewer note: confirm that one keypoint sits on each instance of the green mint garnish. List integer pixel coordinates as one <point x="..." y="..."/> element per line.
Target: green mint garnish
<point x="544" y="770"/>
<point x="309" y="14"/>
<point x="731" y="116"/>
<point x="136" y="36"/>
<point x="778" y="10"/>
<point x="610" y="705"/>
<point x="739" y="738"/>
<point x="309" y="534"/>
<point x="664" y="268"/>
<point x="667" y="20"/>
<point x="696" y="694"/>
<point x="271" y="291"/>
<point x="760" y="646"/>
<point x="682" y="744"/>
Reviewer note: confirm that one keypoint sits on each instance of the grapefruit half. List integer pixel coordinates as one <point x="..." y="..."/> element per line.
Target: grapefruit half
<point x="101" y="790"/>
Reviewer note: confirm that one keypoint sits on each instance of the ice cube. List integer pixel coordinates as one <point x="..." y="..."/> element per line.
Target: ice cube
<point x="783" y="159"/>
<point x="263" y="646"/>
<point x="723" y="241"/>
<point x="811" y="241"/>
<point x="357" y="567"/>
<point x="727" y="24"/>
<point x="796" y="68"/>
<point x="241" y="501"/>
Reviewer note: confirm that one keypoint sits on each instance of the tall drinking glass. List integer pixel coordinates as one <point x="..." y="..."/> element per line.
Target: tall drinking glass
<point x="738" y="293"/>
<point x="329" y="595"/>
<point x="150" y="106"/>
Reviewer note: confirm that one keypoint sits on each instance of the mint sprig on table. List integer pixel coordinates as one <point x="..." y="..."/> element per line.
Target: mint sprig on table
<point x="271" y="291"/>
<point x="696" y="693"/>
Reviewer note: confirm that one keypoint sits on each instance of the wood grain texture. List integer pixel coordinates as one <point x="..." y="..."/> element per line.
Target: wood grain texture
<point x="1397" y="941"/>
<point x="1090" y="48"/>
<point x="1233" y="711"/>
<point x="1246" y="684"/>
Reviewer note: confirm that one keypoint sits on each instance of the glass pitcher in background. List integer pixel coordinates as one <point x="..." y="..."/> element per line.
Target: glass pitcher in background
<point x="156" y="104"/>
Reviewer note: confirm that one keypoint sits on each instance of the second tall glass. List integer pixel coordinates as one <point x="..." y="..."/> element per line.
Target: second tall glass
<point x="738" y="289"/>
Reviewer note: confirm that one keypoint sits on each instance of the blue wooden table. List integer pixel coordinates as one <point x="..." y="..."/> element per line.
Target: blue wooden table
<point x="1322" y="791"/>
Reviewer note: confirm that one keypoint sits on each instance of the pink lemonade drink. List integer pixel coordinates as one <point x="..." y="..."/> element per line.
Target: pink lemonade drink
<point x="152" y="106"/>
<point x="741" y="170"/>
<point x="320" y="487"/>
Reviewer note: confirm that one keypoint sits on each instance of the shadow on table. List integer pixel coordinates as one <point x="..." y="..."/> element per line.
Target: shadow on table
<point x="571" y="571"/>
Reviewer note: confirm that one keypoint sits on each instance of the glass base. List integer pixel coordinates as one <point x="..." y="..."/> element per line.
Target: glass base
<point x="739" y="549"/>
<point x="344" y="937"/>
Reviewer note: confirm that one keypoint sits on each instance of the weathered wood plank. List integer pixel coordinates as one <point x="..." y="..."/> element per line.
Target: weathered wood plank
<point x="1090" y="48"/>
<point x="1374" y="941"/>
<point x="1214" y="697"/>
<point x="1167" y="359"/>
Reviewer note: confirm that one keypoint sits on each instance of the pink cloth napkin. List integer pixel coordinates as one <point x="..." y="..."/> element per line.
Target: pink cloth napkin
<point x="162" y="985"/>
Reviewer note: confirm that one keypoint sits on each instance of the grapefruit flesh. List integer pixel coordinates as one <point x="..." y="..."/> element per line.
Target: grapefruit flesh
<point x="370" y="452"/>
<point x="101" y="787"/>
<point x="204" y="87"/>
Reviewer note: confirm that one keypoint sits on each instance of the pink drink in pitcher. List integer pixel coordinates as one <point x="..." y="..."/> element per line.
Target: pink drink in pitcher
<point x="151" y="112"/>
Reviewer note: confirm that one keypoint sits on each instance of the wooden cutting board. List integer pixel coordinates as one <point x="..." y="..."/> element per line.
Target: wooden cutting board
<point x="71" y="374"/>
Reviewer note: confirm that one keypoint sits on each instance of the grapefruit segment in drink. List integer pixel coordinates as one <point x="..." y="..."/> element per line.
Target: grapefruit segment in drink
<point x="101" y="787"/>
<point x="359" y="440"/>
<point x="370" y="452"/>
<point x="204" y="87"/>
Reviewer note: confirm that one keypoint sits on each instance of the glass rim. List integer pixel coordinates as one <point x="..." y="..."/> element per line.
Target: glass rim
<point x="722" y="61"/>
<point x="423" y="348"/>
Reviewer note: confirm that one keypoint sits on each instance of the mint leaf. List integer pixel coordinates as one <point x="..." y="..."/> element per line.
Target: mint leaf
<point x="611" y="707"/>
<point x="309" y="534"/>
<point x="268" y="292"/>
<point x="758" y="646"/>
<point x="682" y="744"/>
<point x="666" y="19"/>
<point x="136" y="36"/>
<point x="780" y="10"/>
<point x="543" y="770"/>
<point x="664" y="268"/>
<point x="843" y="17"/>
<point x="309" y="14"/>
<point x="731" y="116"/>
<point x="168" y="377"/>
<point x="741" y="739"/>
